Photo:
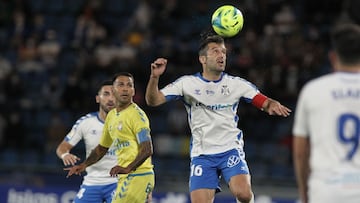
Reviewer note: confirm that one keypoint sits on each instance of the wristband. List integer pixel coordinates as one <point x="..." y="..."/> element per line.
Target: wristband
<point x="259" y="100"/>
<point x="63" y="155"/>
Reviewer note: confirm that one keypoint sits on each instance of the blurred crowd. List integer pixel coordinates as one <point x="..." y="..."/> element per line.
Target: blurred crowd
<point x="54" y="53"/>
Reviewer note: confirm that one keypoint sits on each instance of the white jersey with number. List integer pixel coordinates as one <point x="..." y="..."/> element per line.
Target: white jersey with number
<point x="212" y="110"/>
<point x="328" y="111"/>
<point x="89" y="129"/>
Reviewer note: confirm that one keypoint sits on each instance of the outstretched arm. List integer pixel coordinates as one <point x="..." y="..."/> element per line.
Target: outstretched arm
<point x="145" y="151"/>
<point x="153" y="95"/>
<point x="95" y="155"/>
<point x="273" y="107"/>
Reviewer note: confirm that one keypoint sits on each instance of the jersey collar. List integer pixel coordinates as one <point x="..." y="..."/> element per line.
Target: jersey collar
<point x="199" y="75"/>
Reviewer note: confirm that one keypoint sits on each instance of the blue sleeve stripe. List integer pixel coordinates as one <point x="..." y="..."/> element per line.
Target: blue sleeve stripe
<point x="172" y="97"/>
<point x="143" y="135"/>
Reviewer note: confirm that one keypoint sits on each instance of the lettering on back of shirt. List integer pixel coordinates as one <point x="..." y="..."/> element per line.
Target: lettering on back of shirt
<point x="346" y="93"/>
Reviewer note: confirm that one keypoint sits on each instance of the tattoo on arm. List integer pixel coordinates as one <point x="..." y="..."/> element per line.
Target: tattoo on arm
<point x="145" y="151"/>
<point x="95" y="155"/>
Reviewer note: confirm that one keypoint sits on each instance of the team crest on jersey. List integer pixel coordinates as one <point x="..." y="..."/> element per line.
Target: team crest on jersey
<point x="225" y="90"/>
<point x="119" y="127"/>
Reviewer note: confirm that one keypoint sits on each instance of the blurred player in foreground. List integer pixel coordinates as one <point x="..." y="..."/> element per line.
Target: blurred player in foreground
<point x="97" y="185"/>
<point x="211" y="98"/>
<point x="327" y="126"/>
<point x="127" y="128"/>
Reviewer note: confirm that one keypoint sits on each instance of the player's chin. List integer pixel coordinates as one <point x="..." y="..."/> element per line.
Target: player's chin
<point x="221" y="68"/>
<point x="125" y="100"/>
<point x="109" y="107"/>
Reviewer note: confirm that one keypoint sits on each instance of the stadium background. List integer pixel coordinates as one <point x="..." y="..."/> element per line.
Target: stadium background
<point x="55" y="52"/>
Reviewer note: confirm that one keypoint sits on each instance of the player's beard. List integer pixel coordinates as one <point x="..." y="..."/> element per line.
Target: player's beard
<point x="106" y="108"/>
<point x="123" y="102"/>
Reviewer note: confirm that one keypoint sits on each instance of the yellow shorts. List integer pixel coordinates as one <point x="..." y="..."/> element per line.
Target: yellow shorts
<point x="134" y="188"/>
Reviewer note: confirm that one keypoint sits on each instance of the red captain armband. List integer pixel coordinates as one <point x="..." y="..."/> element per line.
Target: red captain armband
<point x="259" y="100"/>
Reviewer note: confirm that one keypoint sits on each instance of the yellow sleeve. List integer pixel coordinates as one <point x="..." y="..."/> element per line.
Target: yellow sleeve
<point x="141" y="126"/>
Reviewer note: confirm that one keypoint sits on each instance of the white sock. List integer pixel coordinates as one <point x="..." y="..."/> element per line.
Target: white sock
<point x="251" y="201"/>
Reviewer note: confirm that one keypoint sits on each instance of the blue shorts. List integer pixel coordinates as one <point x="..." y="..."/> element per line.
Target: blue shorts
<point x="95" y="193"/>
<point x="206" y="170"/>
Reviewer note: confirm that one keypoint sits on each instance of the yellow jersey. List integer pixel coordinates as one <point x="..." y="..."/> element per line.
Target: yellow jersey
<point x="127" y="129"/>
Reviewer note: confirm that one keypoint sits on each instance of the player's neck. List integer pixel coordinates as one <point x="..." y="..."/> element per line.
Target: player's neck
<point x="349" y="69"/>
<point x="102" y="115"/>
<point x="122" y="106"/>
<point x="211" y="76"/>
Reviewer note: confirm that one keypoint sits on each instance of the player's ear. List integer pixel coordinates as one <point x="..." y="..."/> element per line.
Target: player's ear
<point x="202" y="59"/>
<point x="97" y="98"/>
<point x="334" y="59"/>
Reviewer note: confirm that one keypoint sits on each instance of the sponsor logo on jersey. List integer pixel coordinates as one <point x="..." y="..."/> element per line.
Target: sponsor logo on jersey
<point x="233" y="161"/>
<point x="215" y="106"/>
<point x="210" y="92"/>
<point x="121" y="144"/>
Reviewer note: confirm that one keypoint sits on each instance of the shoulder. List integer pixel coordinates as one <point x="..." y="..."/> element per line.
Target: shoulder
<point x="186" y="78"/>
<point x="137" y="108"/>
<point x="227" y="76"/>
<point x="322" y="81"/>
<point x="137" y="112"/>
<point x="237" y="80"/>
<point x="88" y="118"/>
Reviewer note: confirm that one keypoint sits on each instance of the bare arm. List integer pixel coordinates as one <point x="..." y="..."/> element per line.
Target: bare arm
<point x="63" y="152"/>
<point x="95" y="155"/>
<point x="153" y="96"/>
<point x="301" y="153"/>
<point x="145" y="151"/>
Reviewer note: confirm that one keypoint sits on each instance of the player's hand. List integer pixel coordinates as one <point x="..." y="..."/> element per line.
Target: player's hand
<point x="275" y="108"/>
<point x="158" y="67"/>
<point x="118" y="170"/>
<point x="77" y="170"/>
<point x="70" y="159"/>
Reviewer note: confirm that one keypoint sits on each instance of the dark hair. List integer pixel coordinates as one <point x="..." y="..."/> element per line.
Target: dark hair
<point x="104" y="83"/>
<point x="122" y="74"/>
<point x="206" y="38"/>
<point x="352" y="9"/>
<point x="346" y="43"/>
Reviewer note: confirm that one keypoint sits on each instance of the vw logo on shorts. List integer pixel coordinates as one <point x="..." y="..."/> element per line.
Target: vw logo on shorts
<point x="233" y="160"/>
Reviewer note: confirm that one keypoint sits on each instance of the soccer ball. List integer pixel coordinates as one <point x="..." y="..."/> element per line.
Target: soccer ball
<point x="227" y="20"/>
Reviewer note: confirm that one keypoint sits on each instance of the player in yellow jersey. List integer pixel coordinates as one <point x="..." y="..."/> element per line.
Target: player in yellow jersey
<point x="127" y="126"/>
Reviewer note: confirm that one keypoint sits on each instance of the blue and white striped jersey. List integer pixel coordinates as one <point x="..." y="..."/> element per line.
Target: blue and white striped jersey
<point x="212" y="110"/>
<point x="89" y="128"/>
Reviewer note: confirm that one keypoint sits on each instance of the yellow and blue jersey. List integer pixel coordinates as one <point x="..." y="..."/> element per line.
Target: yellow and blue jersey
<point x="127" y="129"/>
